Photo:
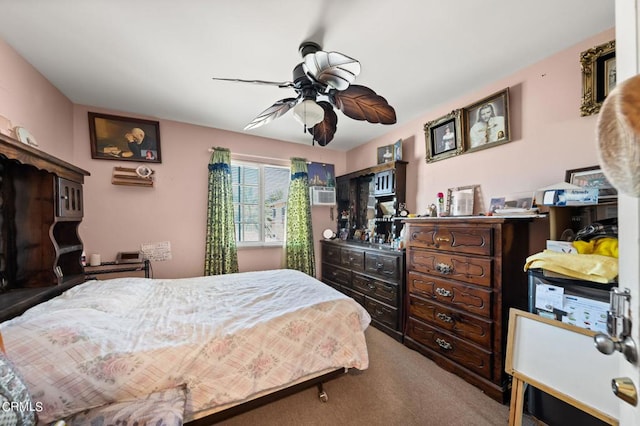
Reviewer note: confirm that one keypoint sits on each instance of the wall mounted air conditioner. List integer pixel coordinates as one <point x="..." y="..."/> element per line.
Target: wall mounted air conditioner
<point x="322" y="196"/>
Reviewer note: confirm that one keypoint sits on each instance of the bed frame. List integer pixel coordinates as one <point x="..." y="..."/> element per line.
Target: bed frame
<point x="235" y="410"/>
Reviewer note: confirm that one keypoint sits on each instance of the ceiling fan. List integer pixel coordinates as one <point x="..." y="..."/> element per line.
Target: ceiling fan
<point x="323" y="81"/>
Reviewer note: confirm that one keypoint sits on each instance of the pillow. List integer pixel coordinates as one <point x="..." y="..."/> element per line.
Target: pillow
<point x="164" y="408"/>
<point x="16" y="407"/>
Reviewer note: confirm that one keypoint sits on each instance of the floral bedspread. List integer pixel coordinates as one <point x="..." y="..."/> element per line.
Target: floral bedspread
<point x="227" y="337"/>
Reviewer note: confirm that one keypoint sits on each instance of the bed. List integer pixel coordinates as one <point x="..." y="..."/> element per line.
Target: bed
<point x="225" y="340"/>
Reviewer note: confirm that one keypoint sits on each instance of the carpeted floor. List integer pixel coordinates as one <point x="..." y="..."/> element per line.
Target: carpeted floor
<point x="400" y="387"/>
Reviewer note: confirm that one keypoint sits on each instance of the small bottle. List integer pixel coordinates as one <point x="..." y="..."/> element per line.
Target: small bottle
<point x="440" y="204"/>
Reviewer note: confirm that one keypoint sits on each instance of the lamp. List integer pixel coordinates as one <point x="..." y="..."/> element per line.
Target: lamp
<point x="308" y="113"/>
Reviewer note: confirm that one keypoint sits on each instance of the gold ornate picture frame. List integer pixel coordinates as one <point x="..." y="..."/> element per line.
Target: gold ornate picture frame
<point x="444" y="137"/>
<point x="598" y="76"/>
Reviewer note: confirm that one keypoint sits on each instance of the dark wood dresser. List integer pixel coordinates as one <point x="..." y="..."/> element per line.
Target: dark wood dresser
<point x="373" y="276"/>
<point x="463" y="275"/>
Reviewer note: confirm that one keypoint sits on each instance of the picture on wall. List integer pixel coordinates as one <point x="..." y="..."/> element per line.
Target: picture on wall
<point x="598" y="76"/>
<point x="321" y="174"/>
<point x="444" y="137"/>
<point x="486" y="122"/>
<point x="122" y="138"/>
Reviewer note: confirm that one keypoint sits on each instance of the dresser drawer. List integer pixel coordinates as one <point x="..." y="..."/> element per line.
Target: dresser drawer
<point x="471" y="299"/>
<point x="352" y="259"/>
<point x="383" y="265"/>
<point x="381" y="312"/>
<point x="331" y="254"/>
<point x="385" y="292"/>
<point x="466" y="240"/>
<point x="459" y="323"/>
<point x="463" y="353"/>
<point x="332" y="284"/>
<point x="358" y="297"/>
<point x="337" y="275"/>
<point x="474" y="270"/>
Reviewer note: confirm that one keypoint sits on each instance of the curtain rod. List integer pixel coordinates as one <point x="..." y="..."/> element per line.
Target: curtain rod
<point x="255" y="157"/>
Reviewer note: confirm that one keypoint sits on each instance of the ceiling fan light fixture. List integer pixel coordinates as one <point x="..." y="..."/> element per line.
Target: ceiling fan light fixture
<point x="308" y="113"/>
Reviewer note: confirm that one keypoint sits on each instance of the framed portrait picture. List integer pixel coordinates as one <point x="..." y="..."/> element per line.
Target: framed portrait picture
<point x="385" y="154"/>
<point x="486" y="122"/>
<point x="122" y="138"/>
<point x="598" y="76"/>
<point x="610" y="75"/>
<point x="592" y="177"/>
<point x="444" y="137"/>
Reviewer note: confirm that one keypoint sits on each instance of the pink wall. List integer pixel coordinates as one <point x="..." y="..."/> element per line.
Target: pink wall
<point x="122" y="217"/>
<point x="30" y="101"/>
<point x="548" y="136"/>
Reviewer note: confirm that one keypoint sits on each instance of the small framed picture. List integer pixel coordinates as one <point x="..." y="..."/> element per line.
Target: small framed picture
<point x="397" y="150"/>
<point x="122" y="138"/>
<point x="486" y="122"/>
<point x="592" y="177"/>
<point x="463" y="200"/>
<point x="598" y="76"/>
<point x="385" y="154"/>
<point x="444" y="137"/>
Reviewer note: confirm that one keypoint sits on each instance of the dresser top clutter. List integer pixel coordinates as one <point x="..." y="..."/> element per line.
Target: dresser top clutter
<point x="41" y="209"/>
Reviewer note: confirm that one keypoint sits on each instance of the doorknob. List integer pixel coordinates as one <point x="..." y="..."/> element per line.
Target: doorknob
<point x="624" y="389"/>
<point x="618" y="327"/>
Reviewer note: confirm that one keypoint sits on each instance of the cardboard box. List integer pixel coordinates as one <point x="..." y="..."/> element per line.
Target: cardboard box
<point x="570" y="197"/>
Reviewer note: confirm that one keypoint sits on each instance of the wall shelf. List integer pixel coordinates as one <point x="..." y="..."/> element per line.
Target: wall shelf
<point x="130" y="177"/>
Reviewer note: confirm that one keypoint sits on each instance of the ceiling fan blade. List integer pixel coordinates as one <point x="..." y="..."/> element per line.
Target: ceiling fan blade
<point x="282" y="84"/>
<point x="274" y="111"/>
<point x="324" y="131"/>
<point x="334" y="69"/>
<point x="362" y="103"/>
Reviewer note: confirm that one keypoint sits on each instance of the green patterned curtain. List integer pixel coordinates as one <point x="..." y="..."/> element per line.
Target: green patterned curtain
<point x="299" y="231"/>
<point x="221" y="256"/>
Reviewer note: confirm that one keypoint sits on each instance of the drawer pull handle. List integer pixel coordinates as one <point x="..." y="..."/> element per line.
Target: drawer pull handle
<point x="444" y="344"/>
<point x="379" y="265"/>
<point x="371" y="286"/>
<point x="443" y="292"/>
<point x="443" y="268"/>
<point x="443" y="239"/>
<point x="444" y="317"/>
<point x="379" y="313"/>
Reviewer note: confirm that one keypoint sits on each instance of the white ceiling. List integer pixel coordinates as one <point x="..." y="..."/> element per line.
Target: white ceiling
<point x="156" y="57"/>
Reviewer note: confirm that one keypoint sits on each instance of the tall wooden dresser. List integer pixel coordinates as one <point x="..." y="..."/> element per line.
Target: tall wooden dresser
<point x="463" y="275"/>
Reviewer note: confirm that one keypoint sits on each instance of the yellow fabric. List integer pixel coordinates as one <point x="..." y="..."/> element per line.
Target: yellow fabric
<point x="590" y="267"/>
<point x="605" y="246"/>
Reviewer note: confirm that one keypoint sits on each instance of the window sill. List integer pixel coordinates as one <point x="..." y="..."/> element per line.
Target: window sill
<point x="243" y="246"/>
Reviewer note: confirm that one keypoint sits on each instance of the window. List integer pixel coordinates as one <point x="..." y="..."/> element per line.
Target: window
<point x="259" y="202"/>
